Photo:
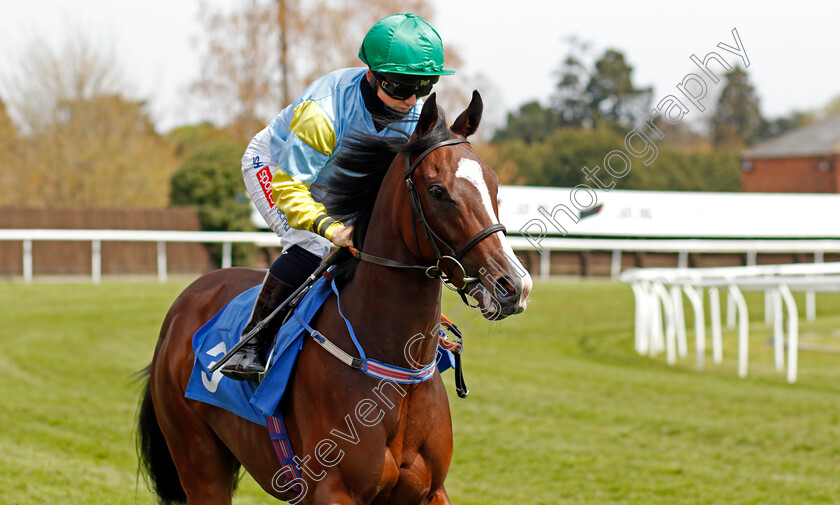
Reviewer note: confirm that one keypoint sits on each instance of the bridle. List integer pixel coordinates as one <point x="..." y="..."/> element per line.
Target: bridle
<point x="453" y="255"/>
<point x="418" y="216"/>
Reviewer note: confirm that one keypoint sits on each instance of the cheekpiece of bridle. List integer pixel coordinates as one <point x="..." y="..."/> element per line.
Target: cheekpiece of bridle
<point x="418" y="216"/>
<point x="454" y="256"/>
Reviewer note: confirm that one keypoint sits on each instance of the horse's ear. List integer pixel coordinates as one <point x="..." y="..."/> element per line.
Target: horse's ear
<point x="467" y="122"/>
<point x="428" y="117"/>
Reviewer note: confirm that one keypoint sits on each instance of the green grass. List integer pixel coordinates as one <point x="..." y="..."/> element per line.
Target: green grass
<point x="562" y="410"/>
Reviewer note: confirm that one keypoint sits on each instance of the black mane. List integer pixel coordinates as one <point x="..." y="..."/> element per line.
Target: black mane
<point x="360" y="165"/>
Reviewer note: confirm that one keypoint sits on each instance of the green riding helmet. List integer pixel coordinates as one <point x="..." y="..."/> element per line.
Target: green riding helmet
<point x="403" y="44"/>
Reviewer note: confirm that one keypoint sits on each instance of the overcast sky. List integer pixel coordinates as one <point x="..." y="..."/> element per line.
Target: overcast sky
<point x="517" y="45"/>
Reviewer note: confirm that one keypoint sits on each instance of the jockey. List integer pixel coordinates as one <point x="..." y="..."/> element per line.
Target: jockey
<point x="404" y="58"/>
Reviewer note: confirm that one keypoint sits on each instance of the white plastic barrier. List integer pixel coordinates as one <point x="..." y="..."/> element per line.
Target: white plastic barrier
<point x="650" y="286"/>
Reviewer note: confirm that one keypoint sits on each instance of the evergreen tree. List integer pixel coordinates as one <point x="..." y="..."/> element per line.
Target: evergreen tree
<point x="584" y="98"/>
<point x="737" y="120"/>
<point x="612" y="95"/>
<point x="532" y="123"/>
<point x="570" y="101"/>
<point x="772" y="128"/>
<point x="559" y="159"/>
<point x="209" y="179"/>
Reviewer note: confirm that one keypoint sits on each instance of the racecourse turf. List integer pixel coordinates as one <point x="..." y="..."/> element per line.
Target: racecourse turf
<point x="561" y="411"/>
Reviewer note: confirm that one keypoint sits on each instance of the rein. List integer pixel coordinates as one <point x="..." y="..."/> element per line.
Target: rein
<point x="434" y="271"/>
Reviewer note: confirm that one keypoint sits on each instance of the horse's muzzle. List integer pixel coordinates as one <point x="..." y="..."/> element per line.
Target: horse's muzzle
<point x="505" y="296"/>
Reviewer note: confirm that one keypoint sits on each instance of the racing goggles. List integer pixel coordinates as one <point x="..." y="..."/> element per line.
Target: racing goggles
<point x="403" y="87"/>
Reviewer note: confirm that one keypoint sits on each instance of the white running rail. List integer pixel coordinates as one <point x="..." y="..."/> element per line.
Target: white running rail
<point x="682" y="247"/>
<point x="161" y="237"/>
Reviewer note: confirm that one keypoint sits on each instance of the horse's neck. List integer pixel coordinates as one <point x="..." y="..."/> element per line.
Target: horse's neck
<point x="394" y="305"/>
<point x="391" y="308"/>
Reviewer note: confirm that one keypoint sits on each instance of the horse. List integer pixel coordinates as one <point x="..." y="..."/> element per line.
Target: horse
<point x="363" y="441"/>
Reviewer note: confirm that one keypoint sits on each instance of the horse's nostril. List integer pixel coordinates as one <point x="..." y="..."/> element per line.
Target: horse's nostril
<point x="506" y="289"/>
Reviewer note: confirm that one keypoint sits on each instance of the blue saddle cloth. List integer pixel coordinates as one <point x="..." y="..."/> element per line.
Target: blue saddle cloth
<point x="247" y="399"/>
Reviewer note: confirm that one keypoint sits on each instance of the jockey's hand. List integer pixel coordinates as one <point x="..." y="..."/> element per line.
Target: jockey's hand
<point x="343" y="237"/>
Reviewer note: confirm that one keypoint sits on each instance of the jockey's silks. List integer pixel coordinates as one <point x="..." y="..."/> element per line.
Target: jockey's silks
<point x="306" y="135"/>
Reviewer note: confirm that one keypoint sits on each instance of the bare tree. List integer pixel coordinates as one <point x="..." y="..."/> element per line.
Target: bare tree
<point x="83" y="144"/>
<point x="9" y="158"/>
<point x="237" y="85"/>
<point x="259" y="57"/>
<point x="47" y="77"/>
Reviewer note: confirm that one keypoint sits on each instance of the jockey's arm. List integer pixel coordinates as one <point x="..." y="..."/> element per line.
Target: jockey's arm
<point x="303" y="212"/>
<point x="305" y="152"/>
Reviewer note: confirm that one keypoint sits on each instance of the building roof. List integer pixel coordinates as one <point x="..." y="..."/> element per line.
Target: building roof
<point x="818" y="139"/>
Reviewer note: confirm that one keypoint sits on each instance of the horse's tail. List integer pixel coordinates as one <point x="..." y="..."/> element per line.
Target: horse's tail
<point x="155" y="459"/>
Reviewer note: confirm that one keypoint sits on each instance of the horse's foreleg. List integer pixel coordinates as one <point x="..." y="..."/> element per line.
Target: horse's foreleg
<point x="332" y="491"/>
<point x="440" y="498"/>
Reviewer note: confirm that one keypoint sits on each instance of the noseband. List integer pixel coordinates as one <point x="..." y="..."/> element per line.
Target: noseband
<point x="417" y="216"/>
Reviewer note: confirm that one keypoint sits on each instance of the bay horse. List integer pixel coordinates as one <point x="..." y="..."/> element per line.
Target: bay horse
<point x="358" y="440"/>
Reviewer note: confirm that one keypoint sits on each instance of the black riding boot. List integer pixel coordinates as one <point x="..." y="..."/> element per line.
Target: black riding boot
<point x="249" y="361"/>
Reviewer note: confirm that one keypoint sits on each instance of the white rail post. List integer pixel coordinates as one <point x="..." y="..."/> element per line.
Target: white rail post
<point x="657" y="338"/>
<point x="768" y="307"/>
<point x="679" y="320"/>
<point x="162" y="266"/>
<point x="743" y="329"/>
<point x="642" y="334"/>
<point x="682" y="259"/>
<point x="778" y="330"/>
<point x="227" y="255"/>
<point x="545" y="263"/>
<point x="670" y="322"/>
<point x="731" y="311"/>
<point x="96" y="261"/>
<point x="696" y="300"/>
<point x="714" y="322"/>
<point x="810" y="305"/>
<point x="615" y="264"/>
<point x="27" y="261"/>
<point x="810" y="296"/>
<point x="793" y="332"/>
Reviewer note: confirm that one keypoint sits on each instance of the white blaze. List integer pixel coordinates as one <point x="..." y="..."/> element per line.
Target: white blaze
<point x="471" y="171"/>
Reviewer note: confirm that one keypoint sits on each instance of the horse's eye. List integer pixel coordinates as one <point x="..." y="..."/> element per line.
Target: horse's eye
<point x="438" y="193"/>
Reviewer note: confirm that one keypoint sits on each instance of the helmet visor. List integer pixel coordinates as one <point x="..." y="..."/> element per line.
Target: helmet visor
<point x="403" y="87"/>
